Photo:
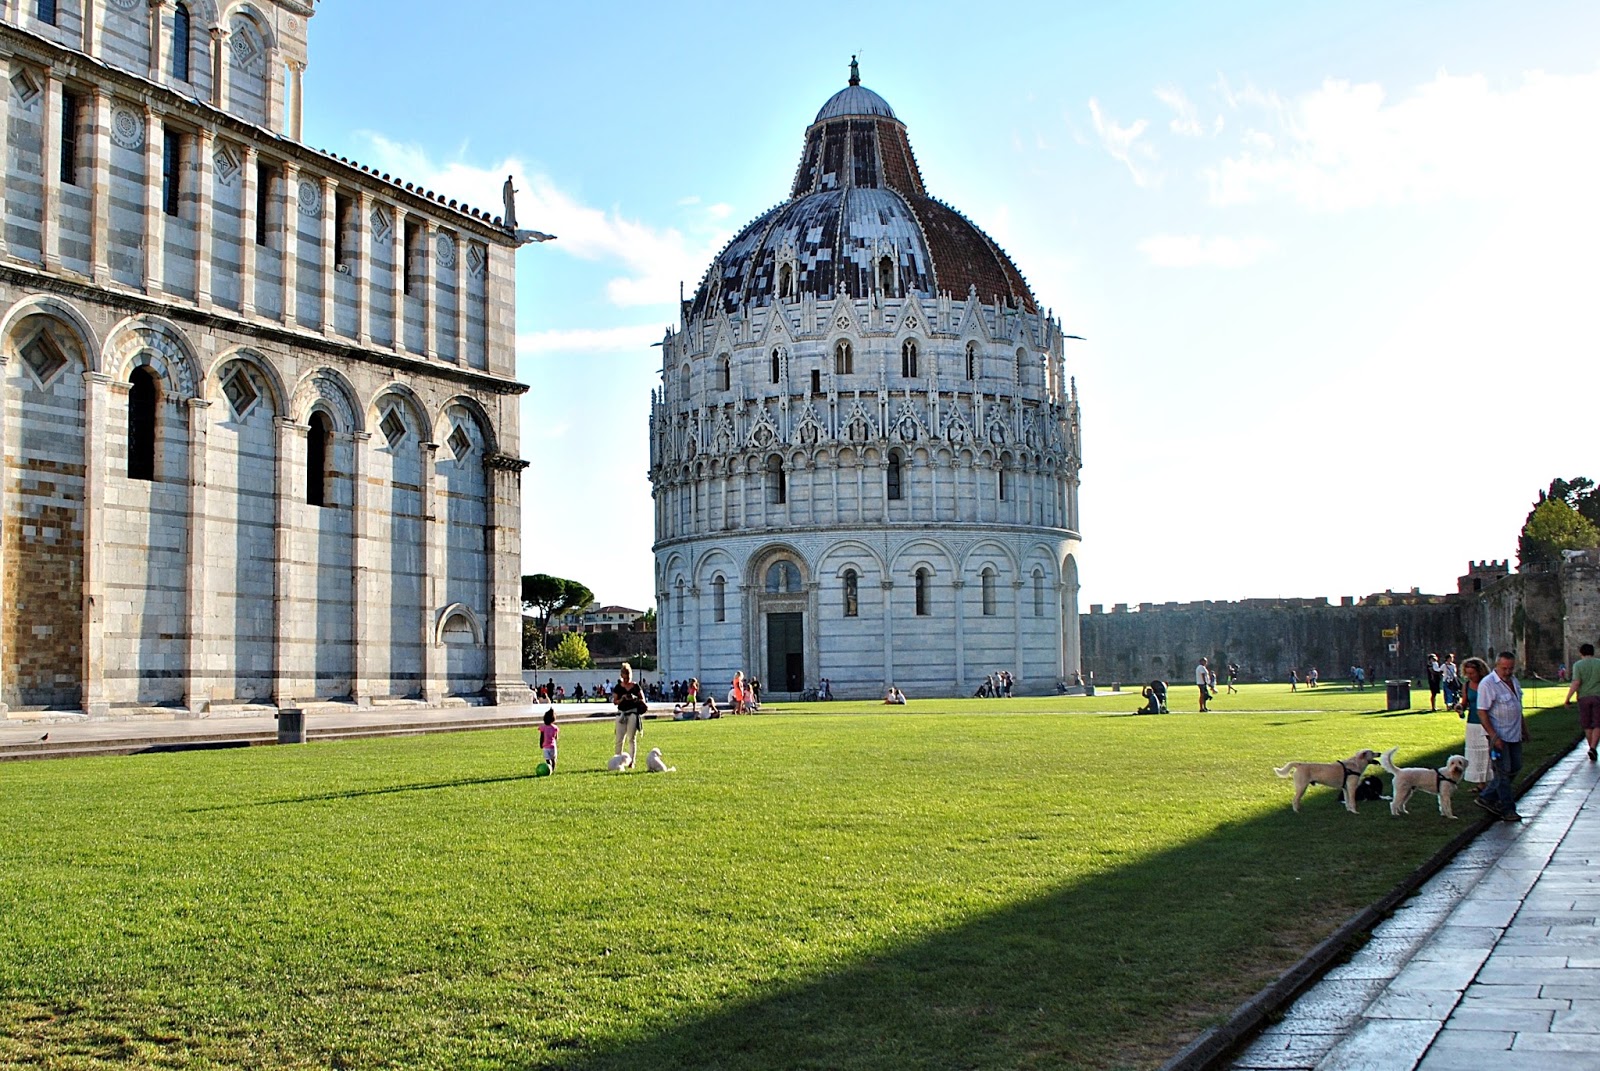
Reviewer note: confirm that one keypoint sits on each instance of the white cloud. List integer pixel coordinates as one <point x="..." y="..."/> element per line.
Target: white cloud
<point x="654" y="259"/>
<point x="1123" y="143"/>
<point x="1186" y="121"/>
<point x="1348" y="145"/>
<point x="630" y="339"/>
<point x="1195" y="251"/>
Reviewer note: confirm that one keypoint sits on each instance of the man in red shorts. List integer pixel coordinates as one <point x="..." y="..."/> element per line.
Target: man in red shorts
<point x="1586" y="686"/>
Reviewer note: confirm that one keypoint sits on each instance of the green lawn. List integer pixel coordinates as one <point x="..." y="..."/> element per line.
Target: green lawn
<point x="971" y="883"/>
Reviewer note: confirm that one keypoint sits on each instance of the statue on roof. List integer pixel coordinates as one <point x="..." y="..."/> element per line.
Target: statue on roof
<point x="509" y="193"/>
<point x="855" y="72"/>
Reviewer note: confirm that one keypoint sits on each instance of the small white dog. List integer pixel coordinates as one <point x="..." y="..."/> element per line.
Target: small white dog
<point x="1410" y="778"/>
<point x="620" y="763"/>
<point x="1341" y="775"/>
<point x="653" y="763"/>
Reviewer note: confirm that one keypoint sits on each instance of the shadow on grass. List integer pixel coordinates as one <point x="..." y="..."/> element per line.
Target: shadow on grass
<point x="1117" y="970"/>
<point x="357" y="793"/>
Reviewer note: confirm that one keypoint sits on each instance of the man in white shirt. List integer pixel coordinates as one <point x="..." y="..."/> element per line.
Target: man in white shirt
<point x="1202" y="677"/>
<point x="1500" y="711"/>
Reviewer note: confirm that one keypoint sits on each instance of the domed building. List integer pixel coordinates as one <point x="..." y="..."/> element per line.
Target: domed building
<point x="865" y="449"/>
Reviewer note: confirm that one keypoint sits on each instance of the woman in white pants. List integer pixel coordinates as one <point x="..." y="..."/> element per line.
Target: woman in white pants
<point x="629" y="698"/>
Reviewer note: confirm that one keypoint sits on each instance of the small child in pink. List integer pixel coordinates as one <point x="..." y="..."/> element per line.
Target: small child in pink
<point x="547" y="737"/>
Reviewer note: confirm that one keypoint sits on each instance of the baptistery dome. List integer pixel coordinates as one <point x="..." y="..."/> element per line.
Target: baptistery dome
<point x="865" y="448"/>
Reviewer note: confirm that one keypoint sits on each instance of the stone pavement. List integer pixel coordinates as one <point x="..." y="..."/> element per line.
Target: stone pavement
<point x="1494" y="964"/>
<point x="20" y="737"/>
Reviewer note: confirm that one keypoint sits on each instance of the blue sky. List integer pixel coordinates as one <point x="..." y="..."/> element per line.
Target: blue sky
<point x="1335" y="264"/>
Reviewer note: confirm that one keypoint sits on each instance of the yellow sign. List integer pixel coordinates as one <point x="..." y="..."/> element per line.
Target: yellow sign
<point x="1391" y="633"/>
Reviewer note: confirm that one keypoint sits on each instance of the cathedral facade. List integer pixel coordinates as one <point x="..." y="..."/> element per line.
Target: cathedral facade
<point x="865" y="449"/>
<point x="258" y="413"/>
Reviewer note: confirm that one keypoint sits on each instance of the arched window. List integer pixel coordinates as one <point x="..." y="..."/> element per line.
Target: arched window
<point x="844" y="358"/>
<point x="724" y="372"/>
<point x="777" y="485"/>
<point x="180" y="42"/>
<point x="988" y="591"/>
<point x="1022" y="368"/>
<point x="852" y="596"/>
<point x="777" y="364"/>
<point x="719" y="598"/>
<point x="786" y="281"/>
<point x="143" y="394"/>
<point x="1038" y="593"/>
<point x="679" y="601"/>
<point x="1001" y="475"/>
<point x="895" y="488"/>
<point x="783" y="578"/>
<point x="318" y="439"/>
<point x="886" y="275"/>
<point x="920" y="584"/>
<point x="908" y="358"/>
<point x="972" y="360"/>
<point x="683" y="381"/>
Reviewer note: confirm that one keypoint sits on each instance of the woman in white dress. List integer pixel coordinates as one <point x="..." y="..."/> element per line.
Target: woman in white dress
<point x="1479" y="771"/>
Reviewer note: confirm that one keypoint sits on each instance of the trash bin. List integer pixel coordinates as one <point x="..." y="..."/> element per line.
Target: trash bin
<point x="1088" y="689"/>
<point x="1399" y="695"/>
<point x="291" y="726"/>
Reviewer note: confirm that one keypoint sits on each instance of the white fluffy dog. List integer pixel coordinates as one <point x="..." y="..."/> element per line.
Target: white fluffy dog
<point x="1410" y="778"/>
<point x="653" y="763"/>
<point x="1341" y="775"/>
<point x="620" y="763"/>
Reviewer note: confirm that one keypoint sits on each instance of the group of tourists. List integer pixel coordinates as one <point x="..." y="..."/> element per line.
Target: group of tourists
<point x="996" y="685"/>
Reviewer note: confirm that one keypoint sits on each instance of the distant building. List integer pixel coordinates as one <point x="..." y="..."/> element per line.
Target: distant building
<point x="597" y="618"/>
<point x="258" y="413"/>
<point x="865" y="450"/>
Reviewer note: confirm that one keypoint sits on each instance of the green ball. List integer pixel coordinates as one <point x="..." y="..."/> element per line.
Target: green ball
<point x="542" y="770"/>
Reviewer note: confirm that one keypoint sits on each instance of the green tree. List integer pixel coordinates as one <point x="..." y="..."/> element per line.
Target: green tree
<point x="534" y="655"/>
<point x="1552" y="527"/>
<point x="550" y="596"/>
<point x="571" y="653"/>
<point x="647" y="623"/>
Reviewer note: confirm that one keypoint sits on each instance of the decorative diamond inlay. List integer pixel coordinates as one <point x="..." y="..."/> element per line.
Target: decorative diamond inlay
<point x="475" y="260"/>
<point x="44" y="357"/>
<point x="460" y="443"/>
<point x="393" y="428"/>
<point x="227" y="163"/>
<point x="27" y="86"/>
<point x="380" y="223"/>
<point x="240" y="392"/>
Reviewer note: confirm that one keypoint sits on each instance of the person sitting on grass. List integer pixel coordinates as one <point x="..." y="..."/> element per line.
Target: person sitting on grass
<point x="1156" y="695"/>
<point x="894" y="697"/>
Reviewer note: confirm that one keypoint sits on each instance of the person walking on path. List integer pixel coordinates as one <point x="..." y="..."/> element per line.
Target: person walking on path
<point x="1435" y="681"/>
<point x="1202" y="677"/>
<point x="1586" y="686"/>
<point x="1473" y="670"/>
<point x="1500" y="710"/>
<point x="1452" y="681"/>
<point x="629" y="698"/>
<point x="547" y="738"/>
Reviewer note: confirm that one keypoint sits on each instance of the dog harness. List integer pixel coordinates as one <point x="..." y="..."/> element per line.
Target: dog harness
<point x="1437" y="785"/>
<point x="1348" y="772"/>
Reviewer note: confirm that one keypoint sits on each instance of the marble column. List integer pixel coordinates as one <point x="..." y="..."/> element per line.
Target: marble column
<point x="204" y="220"/>
<point x="249" y="177"/>
<point x="50" y="135"/>
<point x="423" y="262"/>
<point x="219" y="68"/>
<point x="92" y="25"/>
<point x="5" y="126"/>
<point x="1019" y="670"/>
<point x="284" y="670"/>
<point x="97" y="390"/>
<point x="360" y="571"/>
<point x="291" y="243"/>
<point x="362" y="271"/>
<point x="155" y="211"/>
<point x="433" y="666"/>
<point x="156" y="39"/>
<point x="330" y="239"/>
<point x="459" y="327"/>
<point x="397" y="278"/>
<point x="296" y="78"/>
<point x="100" y="190"/>
<point x="198" y="667"/>
<point x="958" y="591"/>
<point x="503" y="482"/>
<point x="888" y="630"/>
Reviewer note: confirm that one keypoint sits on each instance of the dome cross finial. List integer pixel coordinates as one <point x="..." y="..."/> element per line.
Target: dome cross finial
<point x="855" y="72"/>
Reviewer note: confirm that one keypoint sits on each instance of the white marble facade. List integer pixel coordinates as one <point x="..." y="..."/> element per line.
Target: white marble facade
<point x="865" y="451"/>
<point x="258" y="412"/>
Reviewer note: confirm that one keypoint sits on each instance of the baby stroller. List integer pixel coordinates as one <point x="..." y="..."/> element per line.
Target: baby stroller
<point x="1155" y="694"/>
